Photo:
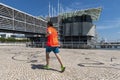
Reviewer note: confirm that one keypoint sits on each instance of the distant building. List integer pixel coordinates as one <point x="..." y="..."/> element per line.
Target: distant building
<point x="11" y="35"/>
<point x="76" y="29"/>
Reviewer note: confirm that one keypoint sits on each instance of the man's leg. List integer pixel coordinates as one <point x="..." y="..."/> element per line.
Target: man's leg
<point x="59" y="59"/>
<point x="47" y="58"/>
<point x="47" y="61"/>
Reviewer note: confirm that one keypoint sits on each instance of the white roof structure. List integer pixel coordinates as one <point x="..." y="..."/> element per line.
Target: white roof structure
<point x="94" y="13"/>
<point x="23" y="12"/>
<point x="13" y="20"/>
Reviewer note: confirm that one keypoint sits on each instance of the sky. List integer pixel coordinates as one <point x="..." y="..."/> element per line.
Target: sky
<point x="107" y="26"/>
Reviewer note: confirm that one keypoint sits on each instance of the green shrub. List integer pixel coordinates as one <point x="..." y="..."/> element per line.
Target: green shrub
<point x="2" y="39"/>
<point x="10" y="39"/>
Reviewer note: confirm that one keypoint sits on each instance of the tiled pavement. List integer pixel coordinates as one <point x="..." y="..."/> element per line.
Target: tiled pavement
<point x="25" y="63"/>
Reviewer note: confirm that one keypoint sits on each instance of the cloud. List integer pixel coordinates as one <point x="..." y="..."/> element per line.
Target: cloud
<point x="109" y="29"/>
<point x="118" y="32"/>
<point x="79" y="6"/>
<point x="109" y="24"/>
<point x="68" y="9"/>
<point x="76" y="4"/>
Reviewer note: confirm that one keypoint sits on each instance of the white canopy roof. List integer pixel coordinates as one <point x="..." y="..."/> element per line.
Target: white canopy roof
<point x="94" y="13"/>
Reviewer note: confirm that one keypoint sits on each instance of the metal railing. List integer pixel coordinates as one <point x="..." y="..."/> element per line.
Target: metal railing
<point x="72" y="45"/>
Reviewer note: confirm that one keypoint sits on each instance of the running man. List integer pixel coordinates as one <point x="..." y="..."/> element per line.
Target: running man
<point x="52" y="45"/>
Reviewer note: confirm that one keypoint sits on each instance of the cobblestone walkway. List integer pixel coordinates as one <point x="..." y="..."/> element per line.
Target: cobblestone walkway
<point x="23" y="63"/>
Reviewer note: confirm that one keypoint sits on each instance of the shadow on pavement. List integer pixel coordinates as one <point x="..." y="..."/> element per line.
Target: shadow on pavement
<point x="41" y="66"/>
<point x="37" y="66"/>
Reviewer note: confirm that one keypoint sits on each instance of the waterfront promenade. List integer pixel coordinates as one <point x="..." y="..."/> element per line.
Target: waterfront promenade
<point x="18" y="62"/>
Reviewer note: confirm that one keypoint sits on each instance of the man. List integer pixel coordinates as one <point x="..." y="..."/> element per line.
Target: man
<point x="52" y="45"/>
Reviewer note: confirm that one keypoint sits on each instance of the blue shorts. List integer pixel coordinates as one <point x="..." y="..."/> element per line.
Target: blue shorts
<point x="54" y="49"/>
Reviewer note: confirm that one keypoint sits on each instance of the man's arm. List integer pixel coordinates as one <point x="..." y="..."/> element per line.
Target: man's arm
<point x="47" y="34"/>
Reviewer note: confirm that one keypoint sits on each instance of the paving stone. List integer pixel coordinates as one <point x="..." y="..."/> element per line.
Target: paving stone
<point x="24" y="63"/>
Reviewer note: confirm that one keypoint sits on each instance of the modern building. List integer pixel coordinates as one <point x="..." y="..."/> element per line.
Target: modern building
<point x="76" y="29"/>
<point x="16" y="21"/>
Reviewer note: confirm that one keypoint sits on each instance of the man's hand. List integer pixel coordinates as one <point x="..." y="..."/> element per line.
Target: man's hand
<point x="48" y="33"/>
